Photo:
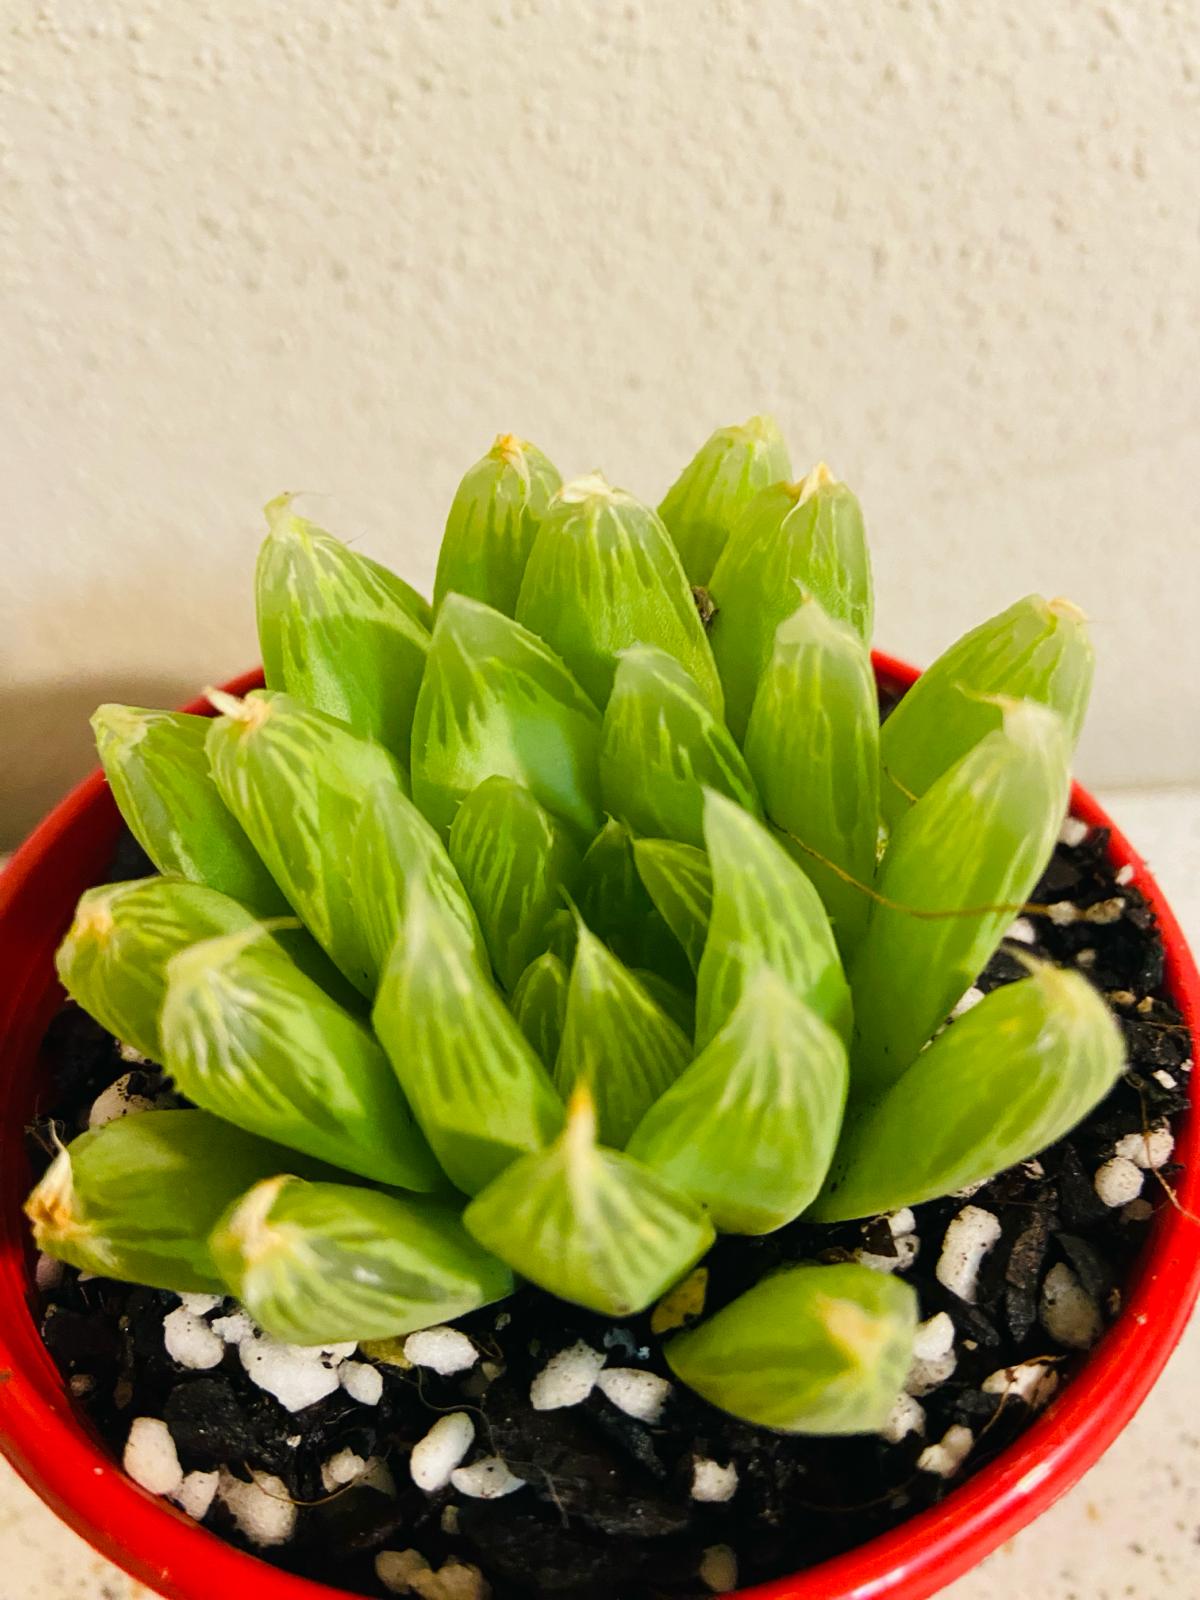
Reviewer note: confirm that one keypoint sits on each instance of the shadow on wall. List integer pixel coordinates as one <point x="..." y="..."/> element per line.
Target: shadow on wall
<point x="47" y="743"/>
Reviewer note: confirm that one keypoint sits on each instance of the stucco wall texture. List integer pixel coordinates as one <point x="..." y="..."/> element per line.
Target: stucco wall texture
<point x="954" y="247"/>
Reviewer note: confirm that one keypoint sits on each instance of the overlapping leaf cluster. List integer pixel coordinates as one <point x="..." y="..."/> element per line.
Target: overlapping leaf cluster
<point x="547" y="931"/>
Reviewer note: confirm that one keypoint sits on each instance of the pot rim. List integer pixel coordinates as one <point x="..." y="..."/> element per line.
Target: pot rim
<point x="56" y="1452"/>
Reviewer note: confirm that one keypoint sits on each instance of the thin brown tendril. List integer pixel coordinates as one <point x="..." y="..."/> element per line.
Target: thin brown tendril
<point x="903" y="788"/>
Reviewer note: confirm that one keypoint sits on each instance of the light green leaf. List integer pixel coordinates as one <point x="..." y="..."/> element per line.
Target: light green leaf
<point x="590" y="1225"/>
<point x="138" y="1198"/>
<point x="493" y="522"/>
<point x="539" y="1003"/>
<point x="970" y="851"/>
<point x="613" y="901"/>
<point x="765" y="912"/>
<point x="496" y="700"/>
<point x="516" y="862"/>
<point x="339" y="633"/>
<point x="812" y="1349"/>
<point x="603" y="575"/>
<point x="298" y="782"/>
<point x="749" y="1129"/>
<point x="616" y="1040"/>
<point x="661" y="746"/>
<point x="812" y="744"/>
<point x="1036" y="650"/>
<point x="1005" y="1080"/>
<point x="476" y="1086"/>
<point x="113" y="960"/>
<point x="322" y="1263"/>
<point x="157" y="769"/>
<point x="679" y="1004"/>
<point x="702" y="505"/>
<point x="679" y="881"/>
<point x="248" y="1037"/>
<point x="808" y="533"/>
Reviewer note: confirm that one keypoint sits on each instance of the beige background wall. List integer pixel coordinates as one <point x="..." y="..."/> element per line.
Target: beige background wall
<point x="955" y="247"/>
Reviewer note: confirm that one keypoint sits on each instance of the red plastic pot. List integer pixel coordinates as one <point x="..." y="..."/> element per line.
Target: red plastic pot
<point x="55" y="1451"/>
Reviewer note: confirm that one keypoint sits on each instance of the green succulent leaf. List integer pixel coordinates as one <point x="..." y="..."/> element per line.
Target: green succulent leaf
<point x="113" y="960"/>
<point x="157" y="768"/>
<point x="614" y="903"/>
<point x="765" y="912"/>
<point x="616" y="1040"/>
<point x="702" y="505"/>
<point x="1036" y="650"/>
<point x="474" y="1082"/>
<point x="812" y="744"/>
<point x="808" y="533"/>
<point x="970" y="850"/>
<point x="539" y="1003"/>
<point x="339" y="633"/>
<point x="603" y="575"/>
<point x="138" y="1198"/>
<point x="1005" y="1080"/>
<point x="679" y="1004"/>
<point x="679" y="881"/>
<point x="248" y="1037"/>
<point x="516" y="862"/>
<point x="497" y="511"/>
<point x="496" y="700"/>
<point x="661" y="746"/>
<point x="322" y="1263"/>
<point x="811" y="1349"/>
<point x="749" y="1129"/>
<point x="588" y="1224"/>
<point x="298" y="782"/>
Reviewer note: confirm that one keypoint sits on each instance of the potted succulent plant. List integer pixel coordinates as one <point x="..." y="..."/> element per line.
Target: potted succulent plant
<point x="575" y="1103"/>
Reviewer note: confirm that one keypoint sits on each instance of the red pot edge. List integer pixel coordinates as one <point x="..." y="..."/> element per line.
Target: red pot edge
<point x="56" y="1454"/>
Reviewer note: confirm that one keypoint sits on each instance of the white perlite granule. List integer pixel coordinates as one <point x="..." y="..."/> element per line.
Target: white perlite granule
<point x="190" y="1341"/>
<point x="150" y="1457"/>
<point x="442" y="1449"/>
<point x="297" y="1375"/>
<point x="1073" y="832"/>
<point x="1067" y="1312"/>
<point x="719" y="1569"/>
<point x="906" y="1416"/>
<point x="968" y="1239"/>
<point x="262" y="1509"/>
<point x="196" y="1494"/>
<point x="445" y="1350"/>
<point x="201" y="1304"/>
<point x="343" y="1468"/>
<point x="362" y="1382"/>
<point x="118" y="1100"/>
<point x="1031" y="1381"/>
<point x="488" y="1479"/>
<point x="713" y="1484"/>
<point x="567" y="1378"/>
<point x="933" y="1359"/>
<point x="1149" y="1150"/>
<point x="408" y="1572"/>
<point x="639" y="1394"/>
<point x="233" y="1328"/>
<point x="131" y="1053"/>
<point x="1022" y="931"/>
<point x="945" y="1458"/>
<point x="1118" y="1181"/>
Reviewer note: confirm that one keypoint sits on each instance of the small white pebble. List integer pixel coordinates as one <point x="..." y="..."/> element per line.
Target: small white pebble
<point x="262" y="1509"/>
<point x="1105" y="912"/>
<point x="906" y="1416"/>
<point x="907" y="1248"/>
<point x="489" y="1479"/>
<point x="117" y="1100"/>
<point x="233" y="1328"/>
<point x="48" y="1273"/>
<point x="713" y="1484"/>
<point x="902" y="1222"/>
<point x="639" y="1394"/>
<point x="442" y="1449"/>
<point x="1063" y="913"/>
<point x="445" y="1350"/>
<point x="567" y="1378"/>
<point x="343" y="1468"/>
<point x="1022" y="931"/>
<point x="1073" y="832"/>
<point x="295" y="1374"/>
<point x="968" y="1239"/>
<point x="190" y="1341"/>
<point x="362" y="1382"/>
<point x="1031" y="1381"/>
<point x="1164" y="1079"/>
<point x="201" y="1304"/>
<point x="131" y="1054"/>
<point x="196" y="1494"/>
<point x="395" y="1569"/>
<point x="1125" y="876"/>
<point x="968" y="1002"/>
<point x="945" y="1458"/>
<point x="1067" y="1312"/>
<point x="150" y="1457"/>
<point x="719" y="1569"/>
<point x="1148" y="1150"/>
<point x="933" y="1359"/>
<point x="1118" y="1181"/>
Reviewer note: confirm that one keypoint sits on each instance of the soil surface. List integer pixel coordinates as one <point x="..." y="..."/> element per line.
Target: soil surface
<point x="608" y="1507"/>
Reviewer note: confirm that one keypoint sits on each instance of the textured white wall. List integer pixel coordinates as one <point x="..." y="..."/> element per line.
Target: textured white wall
<point x="250" y="244"/>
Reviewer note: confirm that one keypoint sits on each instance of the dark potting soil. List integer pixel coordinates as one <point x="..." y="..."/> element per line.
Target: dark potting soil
<point x="607" y="1508"/>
